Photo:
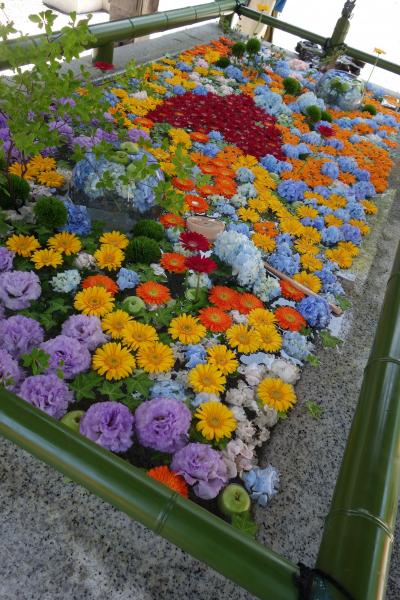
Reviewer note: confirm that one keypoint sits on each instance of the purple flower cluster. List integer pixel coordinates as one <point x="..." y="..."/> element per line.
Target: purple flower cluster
<point x="6" y="259"/>
<point x="48" y="393"/>
<point x="86" y="329"/>
<point x="19" y="335"/>
<point x="203" y="468"/>
<point x="109" y="424"/>
<point x="11" y="373"/>
<point x="19" y="288"/>
<point x="163" y="424"/>
<point x="67" y="354"/>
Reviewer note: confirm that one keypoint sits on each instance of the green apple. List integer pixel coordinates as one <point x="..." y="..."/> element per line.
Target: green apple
<point x="233" y="500"/>
<point x="73" y="419"/>
<point x="129" y="147"/>
<point x="133" y="305"/>
<point x="120" y="157"/>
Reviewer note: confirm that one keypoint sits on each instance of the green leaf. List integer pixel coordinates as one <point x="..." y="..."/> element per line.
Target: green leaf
<point x="112" y="390"/>
<point x="314" y="409"/>
<point x="245" y="524"/>
<point x="140" y="383"/>
<point x="282" y="416"/>
<point x="85" y="384"/>
<point x="313" y="360"/>
<point x="343" y="302"/>
<point x="37" y="360"/>
<point x="329" y="340"/>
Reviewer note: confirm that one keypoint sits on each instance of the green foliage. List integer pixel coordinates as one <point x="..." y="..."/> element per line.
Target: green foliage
<point x="343" y="302"/>
<point x="369" y="108"/>
<point x="50" y="212"/>
<point x="253" y="45"/>
<point x="314" y="113"/>
<point x="223" y="62"/>
<point x="313" y="360"/>
<point x="168" y="198"/>
<point x="142" y="249"/>
<point x="149" y="228"/>
<point x="14" y="191"/>
<point x="314" y="409"/>
<point x="325" y="116"/>
<point x="329" y="340"/>
<point x="292" y="86"/>
<point x="37" y="360"/>
<point x="238" y="49"/>
<point x="245" y="524"/>
<point x="339" y="86"/>
<point x="84" y="385"/>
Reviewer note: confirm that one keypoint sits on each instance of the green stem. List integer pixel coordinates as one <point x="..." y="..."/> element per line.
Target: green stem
<point x="197" y="288"/>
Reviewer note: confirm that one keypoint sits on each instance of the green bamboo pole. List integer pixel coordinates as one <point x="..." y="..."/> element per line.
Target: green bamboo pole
<point x="359" y="530"/>
<point x="198" y="532"/>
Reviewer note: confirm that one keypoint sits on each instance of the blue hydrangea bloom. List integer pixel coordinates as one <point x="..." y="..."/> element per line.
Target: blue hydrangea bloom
<point x="195" y="354"/>
<point x="234" y="73"/>
<point x="127" y="279"/>
<point x="331" y="235"/>
<point x="244" y="175"/>
<point x="216" y="136"/>
<point x="79" y="221"/>
<point x="351" y="234"/>
<point x="292" y="190"/>
<point x="168" y="389"/>
<point x="330" y="169"/>
<point x="262" y="484"/>
<point x="330" y="284"/>
<point x="315" y="310"/>
<point x="240" y="228"/>
<point x="178" y="90"/>
<point x="296" y="345"/>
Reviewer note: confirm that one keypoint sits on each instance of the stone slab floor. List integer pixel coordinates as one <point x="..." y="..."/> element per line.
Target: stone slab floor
<point x="58" y="542"/>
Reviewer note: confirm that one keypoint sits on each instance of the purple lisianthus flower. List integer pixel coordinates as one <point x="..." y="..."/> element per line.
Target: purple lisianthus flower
<point x="49" y="393"/>
<point x="11" y="373"/>
<point x="19" y="288"/>
<point x="203" y="468"/>
<point x="85" y="329"/>
<point x="6" y="259"/>
<point x="315" y="310"/>
<point x="109" y="424"/>
<point x="163" y="424"/>
<point x="19" y="335"/>
<point x="68" y="354"/>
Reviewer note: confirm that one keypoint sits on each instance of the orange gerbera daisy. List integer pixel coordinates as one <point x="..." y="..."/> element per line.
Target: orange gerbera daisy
<point x="215" y="319"/>
<point x="100" y="281"/>
<point x="144" y="121"/>
<point x="289" y="318"/>
<point x="247" y="302"/>
<point x="207" y="190"/>
<point x="152" y="292"/>
<point x="172" y="480"/>
<point x="197" y="136"/>
<point x="171" y="220"/>
<point x="266" y="227"/>
<point x="183" y="184"/>
<point x="173" y="262"/>
<point x="223" y="297"/>
<point x="289" y="291"/>
<point x="196" y="203"/>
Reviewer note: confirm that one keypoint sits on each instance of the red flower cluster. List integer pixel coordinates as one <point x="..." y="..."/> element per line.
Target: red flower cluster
<point x="325" y="131"/>
<point x="193" y="241"/>
<point x="103" y="66"/>
<point x="239" y="120"/>
<point x="201" y="264"/>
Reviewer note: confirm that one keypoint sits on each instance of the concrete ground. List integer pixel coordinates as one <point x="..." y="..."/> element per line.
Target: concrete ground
<point x="57" y="542"/>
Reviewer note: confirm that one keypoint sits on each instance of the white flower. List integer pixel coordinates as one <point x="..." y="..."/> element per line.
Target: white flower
<point x="238" y="457"/>
<point x="139" y="95"/>
<point x="245" y="431"/>
<point x="238" y="317"/>
<point x="253" y="373"/>
<point x="205" y="281"/>
<point x="285" y="370"/>
<point x="204" y="397"/>
<point x="84" y="260"/>
<point x="157" y="270"/>
<point x="66" y="282"/>
<point x="238" y="413"/>
<point x="243" y="395"/>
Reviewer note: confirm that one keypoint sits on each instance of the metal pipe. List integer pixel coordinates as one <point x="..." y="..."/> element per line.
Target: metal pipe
<point x="359" y="529"/>
<point x="208" y="538"/>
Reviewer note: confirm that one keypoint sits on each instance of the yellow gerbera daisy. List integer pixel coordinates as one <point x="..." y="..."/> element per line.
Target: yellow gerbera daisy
<point x="264" y="242"/>
<point x="41" y="163"/>
<point x="136" y="334"/>
<point x="349" y="247"/>
<point x="312" y="282"/>
<point x="243" y="338"/>
<point x="292" y="226"/>
<point x="155" y="357"/>
<point x="271" y="339"/>
<point x="261" y="316"/>
<point x="369" y="207"/>
<point x="23" y="245"/>
<point x="114" y="238"/>
<point x="95" y="300"/>
<point x="51" y="179"/>
<point x="114" y="361"/>
<point x="248" y="214"/>
<point x="306" y="247"/>
<point x="216" y="421"/>
<point x="223" y="359"/>
<point x="186" y="329"/>
<point x="206" y="378"/>
<point x="115" y="322"/>
<point x="340" y="256"/>
<point x="277" y="394"/>
<point x="304" y="211"/>
<point x="310" y="262"/>
<point x="362" y="226"/>
<point x="64" y="242"/>
<point x="332" y="221"/>
<point x="311" y="234"/>
<point x="46" y="258"/>
<point x="109" y="257"/>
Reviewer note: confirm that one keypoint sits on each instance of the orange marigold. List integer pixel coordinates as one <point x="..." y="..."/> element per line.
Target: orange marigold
<point x="173" y="262"/>
<point x="215" y="319"/>
<point x="152" y="292"/>
<point x="101" y="281"/>
<point x="289" y="318"/>
<point x="172" y="480"/>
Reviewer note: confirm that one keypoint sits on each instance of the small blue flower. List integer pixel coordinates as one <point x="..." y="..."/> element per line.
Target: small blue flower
<point x="127" y="279"/>
<point x="315" y="310"/>
<point x="262" y="484"/>
<point x="195" y="354"/>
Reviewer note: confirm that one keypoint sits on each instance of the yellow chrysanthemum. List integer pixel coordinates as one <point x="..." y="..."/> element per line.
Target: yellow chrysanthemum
<point x="362" y="226"/>
<point x="292" y="226"/>
<point x="311" y="234"/>
<point x="312" y="282"/>
<point x="310" y="262"/>
<point x="216" y="421"/>
<point x="264" y="242"/>
<point x="51" y="179"/>
<point x="115" y="322"/>
<point x="349" y="247"/>
<point x="64" y="242"/>
<point x="243" y="338"/>
<point x="136" y="334"/>
<point x="114" y="238"/>
<point x="109" y="257"/>
<point x="206" y="378"/>
<point x="180" y="136"/>
<point x="336" y="201"/>
<point x="155" y="357"/>
<point x="259" y="204"/>
<point x="223" y="359"/>
<point x="248" y="214"/>
<point x="186" y="329"/>
<point x="306" y="247"/>
<point x="369" y="207"/>
<point x="271" y="339"/>
<point x="277" y="394"/>
<point x="114" y="361"/>
<point x="304" y="211"/>
<point x="46" y="258"/>
<point x="332" y="221"/>
<point x="341" y="257"/>
<point x="95" y="300"/>
<point x="42" y="163"/>
<point x="23" y="245"/>
<point x="261" y="316"/>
